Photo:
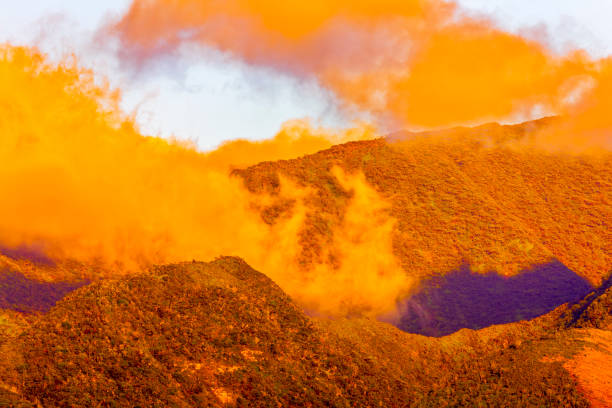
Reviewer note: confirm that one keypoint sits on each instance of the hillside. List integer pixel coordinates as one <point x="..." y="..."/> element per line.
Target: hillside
<point x="482" y="229"/>
<point x="467" y="195"/>
<point x="348" y="231"/>
<point x="507" y="249"/>
<point x="222" y="334"/>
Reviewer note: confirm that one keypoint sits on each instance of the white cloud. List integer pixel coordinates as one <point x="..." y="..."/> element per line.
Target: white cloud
<point x="584" y="24"/>
<point x="219" y="99"/>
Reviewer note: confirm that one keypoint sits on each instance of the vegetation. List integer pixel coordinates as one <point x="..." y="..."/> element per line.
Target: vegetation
<point x="463" y="195"/>
<point x="594" y="311"/>
<point x="222" y="334"/>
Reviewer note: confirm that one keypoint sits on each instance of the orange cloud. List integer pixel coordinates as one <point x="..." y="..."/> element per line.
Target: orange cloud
<point x="422" y="62"/>
<point x="80" y="183"/>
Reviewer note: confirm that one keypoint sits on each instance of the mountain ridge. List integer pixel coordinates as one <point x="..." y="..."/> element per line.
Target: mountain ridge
<point x="452" y="189"/>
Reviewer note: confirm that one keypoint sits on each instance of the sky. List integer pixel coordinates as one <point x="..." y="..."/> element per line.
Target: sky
<point x="214" y="99"/>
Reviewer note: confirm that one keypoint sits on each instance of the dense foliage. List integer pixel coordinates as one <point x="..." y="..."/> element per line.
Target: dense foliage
<point x="466" y="195"/>
<point x="222" y="334"/>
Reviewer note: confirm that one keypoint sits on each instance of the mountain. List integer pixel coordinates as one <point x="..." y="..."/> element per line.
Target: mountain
<point x="507" y="248"/>
<point x="470" y="195"/>
<point x="223" y="334"/>
<point x="492" y="229"/>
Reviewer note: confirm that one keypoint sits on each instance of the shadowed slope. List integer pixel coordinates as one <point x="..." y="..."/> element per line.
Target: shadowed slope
<point x="594" y="311"/>
<point x="464" y="299"/>
<point x="19" y="293"/>
<point x="31" y="253"/>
